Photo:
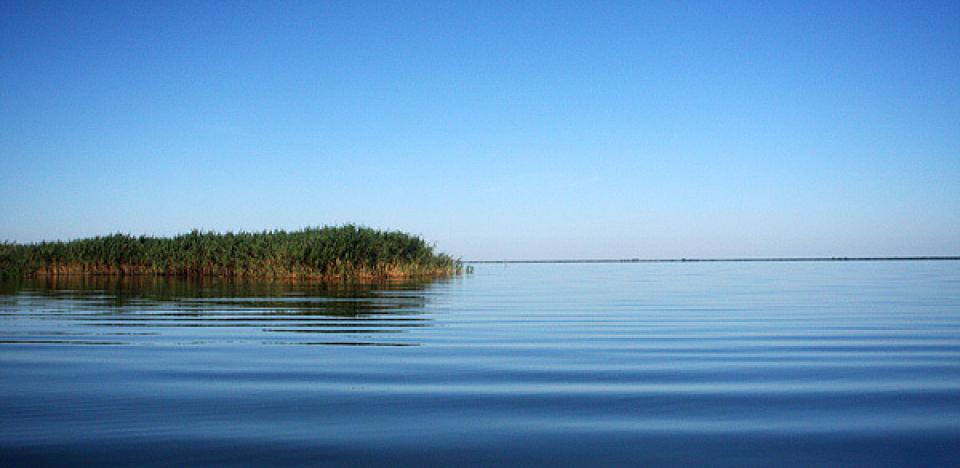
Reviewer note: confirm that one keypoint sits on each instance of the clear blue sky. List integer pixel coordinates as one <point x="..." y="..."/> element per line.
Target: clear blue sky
<point x="496" y="129"/>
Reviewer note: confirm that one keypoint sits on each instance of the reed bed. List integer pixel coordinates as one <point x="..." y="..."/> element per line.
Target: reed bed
<point x="327" y="253"/>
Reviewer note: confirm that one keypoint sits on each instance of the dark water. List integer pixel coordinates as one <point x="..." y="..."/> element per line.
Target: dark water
<point x="726" y="364"/>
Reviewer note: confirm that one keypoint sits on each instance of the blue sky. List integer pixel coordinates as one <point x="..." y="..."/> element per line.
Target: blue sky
<point x="496" y="129"/>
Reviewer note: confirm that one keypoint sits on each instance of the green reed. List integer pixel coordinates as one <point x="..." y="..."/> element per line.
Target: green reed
<point x="329" y="252"/>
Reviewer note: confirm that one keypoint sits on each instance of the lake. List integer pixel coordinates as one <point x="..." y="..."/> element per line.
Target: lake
<point x="707" y="364"/>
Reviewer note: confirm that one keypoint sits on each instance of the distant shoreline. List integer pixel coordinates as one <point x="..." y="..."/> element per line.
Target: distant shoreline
<point x="757" y="259"/>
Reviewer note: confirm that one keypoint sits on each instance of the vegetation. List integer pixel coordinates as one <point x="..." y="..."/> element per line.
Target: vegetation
<point x="329" y="253"/>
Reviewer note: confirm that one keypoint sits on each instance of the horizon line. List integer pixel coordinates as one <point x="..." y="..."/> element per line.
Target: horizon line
<point x="730" y="259"/>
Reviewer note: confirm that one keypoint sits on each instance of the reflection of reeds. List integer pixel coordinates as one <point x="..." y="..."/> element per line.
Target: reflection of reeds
<point x="191" y="296"/>
<point x="329" y="253"/>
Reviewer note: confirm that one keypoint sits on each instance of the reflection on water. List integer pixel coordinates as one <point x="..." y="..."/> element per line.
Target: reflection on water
<point x="90" y="310"/>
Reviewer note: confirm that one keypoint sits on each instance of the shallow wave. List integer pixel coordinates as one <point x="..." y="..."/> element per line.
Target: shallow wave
<point x="623" y="364"/>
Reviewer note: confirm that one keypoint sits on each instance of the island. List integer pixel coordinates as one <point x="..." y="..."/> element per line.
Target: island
<point x="329" y="253"/>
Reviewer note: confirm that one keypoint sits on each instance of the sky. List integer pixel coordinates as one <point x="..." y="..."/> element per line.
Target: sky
<point x="497" y="130"/>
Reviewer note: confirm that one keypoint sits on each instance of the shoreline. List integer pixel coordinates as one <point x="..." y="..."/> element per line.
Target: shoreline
<point x="719" y="260"/>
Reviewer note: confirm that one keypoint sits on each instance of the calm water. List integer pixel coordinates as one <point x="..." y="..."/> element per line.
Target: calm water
<point x="726" y="364"/>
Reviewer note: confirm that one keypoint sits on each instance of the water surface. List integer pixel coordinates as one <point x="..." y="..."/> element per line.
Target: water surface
<point x="719" y="364"/>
